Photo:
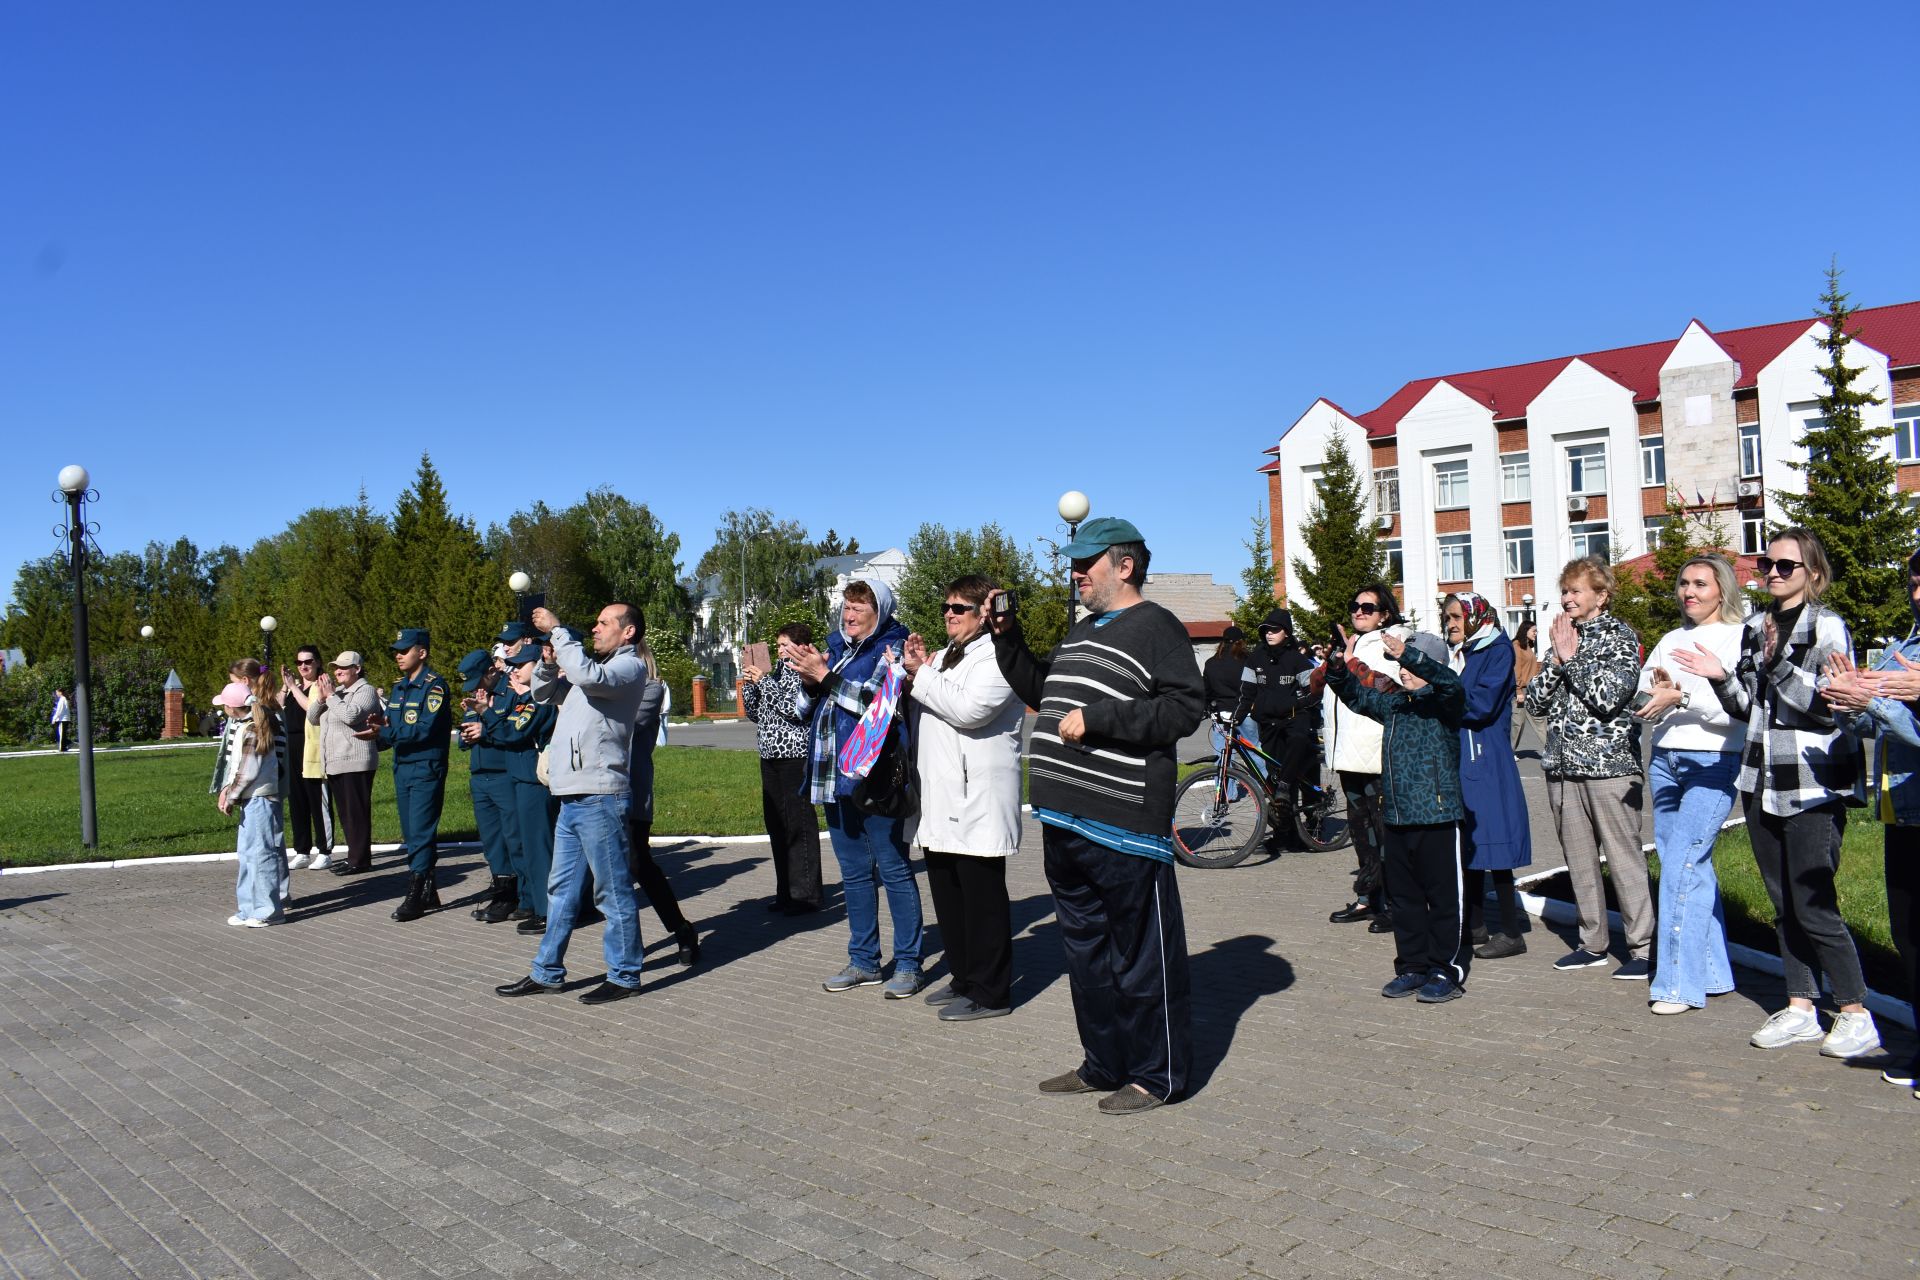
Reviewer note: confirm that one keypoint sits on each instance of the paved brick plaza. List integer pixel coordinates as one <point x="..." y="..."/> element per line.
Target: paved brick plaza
<point x="345" y="1097"/>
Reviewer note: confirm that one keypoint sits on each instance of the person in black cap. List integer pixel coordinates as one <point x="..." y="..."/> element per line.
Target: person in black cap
<point x="489" y="701"/>
<point x="522" y="736"/>
<point x="1115" y="699"/>
<point x="418" y="728"/>
<point x="1287" y="711"/>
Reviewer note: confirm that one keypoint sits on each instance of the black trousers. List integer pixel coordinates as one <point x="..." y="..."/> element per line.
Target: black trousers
<point x="1424" y="867"/>
<point x="1797" y="857"/>
<point x="1126" y="948"/>
<point x="1903" y="902"/>
<point x="308" y="823"/>
<point x="976" y="924"/>
<point x="1504" y="893"/>
<point x="651" y="879"/>
<point x="1363" y="819"/>
<point x="353" y="794"/>
<point x="794" y="829"/>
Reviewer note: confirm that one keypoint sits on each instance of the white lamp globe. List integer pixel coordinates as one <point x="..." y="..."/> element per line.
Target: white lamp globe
<point x="146" y="632"/>
<point x="268" y="623"/>
<point x="73" y="479"/>
<point x="1074" y="506"/>
<point x="519" y="582"/>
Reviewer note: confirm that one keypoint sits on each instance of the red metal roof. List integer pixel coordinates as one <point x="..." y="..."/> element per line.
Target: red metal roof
<point x="1509" y="389"/>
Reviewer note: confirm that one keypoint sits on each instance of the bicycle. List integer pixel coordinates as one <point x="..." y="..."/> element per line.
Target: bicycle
<point x="1221" y="813"/>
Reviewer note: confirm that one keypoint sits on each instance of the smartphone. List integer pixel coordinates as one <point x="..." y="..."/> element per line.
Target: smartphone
<point x="1640" y="700"/>
<point x="1004" y="604"/>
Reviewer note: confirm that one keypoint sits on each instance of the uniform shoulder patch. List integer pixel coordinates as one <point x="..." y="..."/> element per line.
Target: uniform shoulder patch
<point x="524" y="718"/>
<point x="413" y="715"/>
<point x="436" y="696"/>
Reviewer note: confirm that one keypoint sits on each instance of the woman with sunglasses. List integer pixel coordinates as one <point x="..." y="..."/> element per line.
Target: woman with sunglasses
<point x="1353" y="745"/>
<point x="1800" y="769"/>
<point x="1696" y="756"/>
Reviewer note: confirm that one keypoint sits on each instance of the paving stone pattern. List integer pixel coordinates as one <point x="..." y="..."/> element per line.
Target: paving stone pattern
<point x="345" y="1097"/>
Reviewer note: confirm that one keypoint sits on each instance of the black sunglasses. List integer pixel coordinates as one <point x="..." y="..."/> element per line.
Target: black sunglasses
<point x="1766" y="565"/>
<point x="956" y="609"/>
<point x="1364" y="607"/>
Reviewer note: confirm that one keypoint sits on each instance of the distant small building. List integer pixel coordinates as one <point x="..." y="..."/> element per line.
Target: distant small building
<point x="12" y="660"/>
<point x="1205" y="606"/>
<point x="715" y="647"/>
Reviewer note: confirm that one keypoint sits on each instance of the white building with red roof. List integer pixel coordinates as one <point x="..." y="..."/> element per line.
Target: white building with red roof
<point x="1490" y="481"/>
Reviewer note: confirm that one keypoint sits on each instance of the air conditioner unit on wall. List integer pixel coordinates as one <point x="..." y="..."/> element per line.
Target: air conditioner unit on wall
<point x="1383" y="522"/>
<point x="1576" y="505"/>
<point x="1749" y="488"/>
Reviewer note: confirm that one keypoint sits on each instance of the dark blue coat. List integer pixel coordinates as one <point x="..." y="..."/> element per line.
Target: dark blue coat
<point x="1496" y="829"/>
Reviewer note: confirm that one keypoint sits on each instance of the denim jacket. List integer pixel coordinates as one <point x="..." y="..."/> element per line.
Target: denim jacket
<point x="1896" y="763"/>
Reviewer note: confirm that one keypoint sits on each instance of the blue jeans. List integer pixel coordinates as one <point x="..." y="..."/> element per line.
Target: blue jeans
<point x="591" y="832"/>
<point x="261" y="891"/>
<point x="869" y="847"/>
<point x="1692" y="795"/>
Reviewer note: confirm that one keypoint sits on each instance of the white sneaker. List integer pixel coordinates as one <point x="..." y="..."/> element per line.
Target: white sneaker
<point x="1789" y="1026"/>
<point x="319" y="862"/>
<point x="236" y="919"/>
<point x="1853" y="1036"/>
<point x="295" y="861"/>
<point x="256" y="924"/>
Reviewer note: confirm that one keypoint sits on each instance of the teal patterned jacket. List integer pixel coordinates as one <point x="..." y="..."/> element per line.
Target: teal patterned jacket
<point x="1420" y="749"/>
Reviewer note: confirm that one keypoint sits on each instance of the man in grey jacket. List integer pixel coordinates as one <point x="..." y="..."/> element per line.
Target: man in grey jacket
<point x="587" y="770"/>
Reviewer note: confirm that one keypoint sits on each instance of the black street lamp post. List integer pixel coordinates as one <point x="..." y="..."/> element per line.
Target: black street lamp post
<point x="74" y="491"/>
<point x="1073" y="509"/>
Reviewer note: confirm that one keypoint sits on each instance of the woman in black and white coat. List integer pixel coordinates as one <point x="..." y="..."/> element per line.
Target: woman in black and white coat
<point x="967" y="746"/>
<point x="1800" y="770"/>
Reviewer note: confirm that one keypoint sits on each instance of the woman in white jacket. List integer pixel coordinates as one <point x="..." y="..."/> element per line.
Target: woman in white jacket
<point x="1353" y="748"/>
<point x="966" y="727"/>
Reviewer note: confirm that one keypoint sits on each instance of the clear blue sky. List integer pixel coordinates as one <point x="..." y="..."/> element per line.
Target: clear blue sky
<point x="872" y="264"/>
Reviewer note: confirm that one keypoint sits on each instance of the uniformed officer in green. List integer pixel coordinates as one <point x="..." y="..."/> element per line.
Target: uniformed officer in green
<point x="524" y="735"/>
<point x="418" y="729"/>
<point x="488" y="703"/>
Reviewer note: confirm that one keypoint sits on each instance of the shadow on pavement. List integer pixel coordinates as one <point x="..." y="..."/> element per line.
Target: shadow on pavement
<point x="8" y="904"/>
<point x="1228" y="979"/>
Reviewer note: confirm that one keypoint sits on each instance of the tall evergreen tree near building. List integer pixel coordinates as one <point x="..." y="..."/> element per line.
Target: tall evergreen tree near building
<point x="1257" y="577"/>
<point x="1851" y="503"/>
<point x="1343" y="554"/>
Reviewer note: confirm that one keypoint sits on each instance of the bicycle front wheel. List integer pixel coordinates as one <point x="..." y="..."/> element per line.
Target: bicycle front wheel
<point x="1218" y="822"/>
<point x="1320" y="814"/>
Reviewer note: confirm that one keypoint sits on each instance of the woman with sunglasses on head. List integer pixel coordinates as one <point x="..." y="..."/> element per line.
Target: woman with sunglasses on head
<point x="1696" y="757"/>
<point x="1353" y="746"/>
<point x="1799" y="771"/>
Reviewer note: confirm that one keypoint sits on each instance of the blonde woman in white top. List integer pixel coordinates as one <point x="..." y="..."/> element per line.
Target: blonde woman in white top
<point x="1696" y="758"/>
<point x="966" y="731"/>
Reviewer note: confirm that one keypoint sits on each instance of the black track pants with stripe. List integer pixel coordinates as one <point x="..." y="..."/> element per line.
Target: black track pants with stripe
<point x="1424" y="867"/>
<point x="1126" y="945"/>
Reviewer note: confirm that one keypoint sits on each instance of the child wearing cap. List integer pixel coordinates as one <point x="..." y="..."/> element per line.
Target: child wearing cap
<point x="1420" y="803"/>
<point x="248" y="775"/>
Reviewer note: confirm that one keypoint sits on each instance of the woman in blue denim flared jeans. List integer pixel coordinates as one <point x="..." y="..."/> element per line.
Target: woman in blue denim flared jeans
<point x="1696" y="758"/>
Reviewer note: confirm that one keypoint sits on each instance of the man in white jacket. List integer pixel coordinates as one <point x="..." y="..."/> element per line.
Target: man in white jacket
<point x="966" y="729"/>
<point x="1353" y="747"/>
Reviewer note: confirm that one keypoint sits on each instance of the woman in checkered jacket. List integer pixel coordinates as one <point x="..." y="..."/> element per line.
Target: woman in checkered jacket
<point x="1800" y="771"/>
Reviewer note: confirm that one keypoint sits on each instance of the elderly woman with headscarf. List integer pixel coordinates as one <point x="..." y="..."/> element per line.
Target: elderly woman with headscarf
<point x="836" y="689"/>
<point x="1495" y="831"/>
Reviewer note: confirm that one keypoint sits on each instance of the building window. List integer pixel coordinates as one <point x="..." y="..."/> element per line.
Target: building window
<point x="1516" y="478"/>
<point x="1456" y="557"/>
<point x="1386" y="491"/>
<point x="1749" y="450"/>
<point x="1450" y="484"/>
<point x="1753" y="533"/>
<point x="1653" y="460"/>
<point x="1654" y="525"/>
<point x="1587" y="468"/>
<point x="1396" y="562"/>
<point x="1906" y="433"/>
<point x="1590" y="539"/>
<point x="1520" y="552"/>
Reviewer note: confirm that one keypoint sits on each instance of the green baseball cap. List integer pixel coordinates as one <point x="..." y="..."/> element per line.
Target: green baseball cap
<point x="1096" y="536"/>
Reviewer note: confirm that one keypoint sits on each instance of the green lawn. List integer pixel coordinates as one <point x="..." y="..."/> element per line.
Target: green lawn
<point x="152" y="803"/>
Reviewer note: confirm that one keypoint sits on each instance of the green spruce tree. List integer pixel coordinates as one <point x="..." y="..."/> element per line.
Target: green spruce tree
<point x="1343" y="555"/>
<point x="1851" y="503"/>
<point x="1257" y="577"/>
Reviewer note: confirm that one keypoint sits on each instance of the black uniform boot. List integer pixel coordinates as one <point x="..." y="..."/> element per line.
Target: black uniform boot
<point x="420" y="897"/>
<point x="500" y="904"/>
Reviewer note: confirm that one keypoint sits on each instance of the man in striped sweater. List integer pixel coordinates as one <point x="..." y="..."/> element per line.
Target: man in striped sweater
<point x="1114" y="700"/>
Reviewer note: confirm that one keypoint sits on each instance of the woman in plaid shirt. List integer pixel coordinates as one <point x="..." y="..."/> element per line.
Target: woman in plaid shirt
<point x="1800" y="771"/>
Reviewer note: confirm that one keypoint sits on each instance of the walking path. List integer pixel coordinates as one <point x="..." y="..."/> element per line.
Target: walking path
<point x="344" y="1097"/>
